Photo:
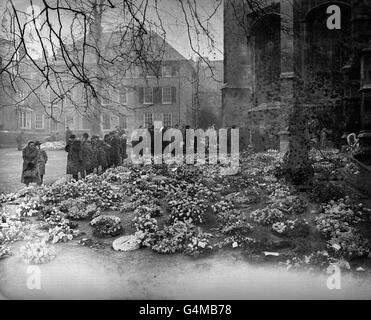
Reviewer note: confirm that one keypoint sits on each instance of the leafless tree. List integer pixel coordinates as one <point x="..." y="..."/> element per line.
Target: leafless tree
<point x="75" y="56"/>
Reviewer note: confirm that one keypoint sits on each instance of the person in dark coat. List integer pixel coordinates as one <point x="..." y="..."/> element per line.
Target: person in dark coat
<point x="101" y="148"/>
<point x="20" y="140"/>
<point x="74" y="158"/>
<point x="94" y="160"/>
<point x="108" y="149"/>
<point x="116" y="149"/>
<point x="87" y="154"/>
<point x="41" y="161"/>
<point x="30" y="172"/>
<point x="151" y="131"/>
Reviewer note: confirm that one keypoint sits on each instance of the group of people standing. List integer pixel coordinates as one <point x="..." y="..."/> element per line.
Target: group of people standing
<point x="86" y="156"/>
<point x="34" y="162"/>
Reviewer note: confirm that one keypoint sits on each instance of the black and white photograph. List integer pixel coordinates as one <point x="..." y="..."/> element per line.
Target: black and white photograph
<point x="185" y="150"/>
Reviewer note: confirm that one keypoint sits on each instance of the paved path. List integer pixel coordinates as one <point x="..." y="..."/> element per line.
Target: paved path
<point x="83" y="273"/>
<point x="11" y="168"/>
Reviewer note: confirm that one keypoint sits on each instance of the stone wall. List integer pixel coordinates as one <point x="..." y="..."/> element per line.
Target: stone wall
<point x="307" y="57"/>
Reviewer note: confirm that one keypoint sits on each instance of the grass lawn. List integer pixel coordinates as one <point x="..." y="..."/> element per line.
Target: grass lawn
<point x="11" y="168"/>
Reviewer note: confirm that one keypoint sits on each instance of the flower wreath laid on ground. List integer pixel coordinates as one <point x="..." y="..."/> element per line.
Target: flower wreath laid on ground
<point x="191" y="210"/>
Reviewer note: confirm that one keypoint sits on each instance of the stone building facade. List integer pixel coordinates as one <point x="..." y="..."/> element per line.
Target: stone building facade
<point x="137" y="98"/>
<point x="209" y="92"/>
<point x="284" y="55"/>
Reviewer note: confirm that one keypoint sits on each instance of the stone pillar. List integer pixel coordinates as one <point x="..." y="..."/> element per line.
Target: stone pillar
<point x="287" y="51"/>
<point x="288" y="59"/>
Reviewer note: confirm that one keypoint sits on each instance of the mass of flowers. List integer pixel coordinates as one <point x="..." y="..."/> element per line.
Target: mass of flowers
<point x="29" y="206"/>
<point x="291" y="205"/>
<point x="37" y="252"/>
<point x="338" y="225"/>
<point x="12" y="229"/>
<point x="194" y="209"/>
<point x="267" y="216"/>
<point x="292" y="228"/>
<point x="106" y="225"/>
<point x="177" y="237"/>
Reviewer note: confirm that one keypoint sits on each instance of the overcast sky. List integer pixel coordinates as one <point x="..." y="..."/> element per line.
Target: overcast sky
<point x="173" y="21"/>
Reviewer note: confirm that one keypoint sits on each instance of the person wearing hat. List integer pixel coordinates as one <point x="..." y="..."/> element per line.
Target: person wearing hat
<point x="116" y="146"/>
<point x="87" y="154"/>
<point x="74" y="158"/>
<point x="42" y="159"/>
<point x="30" y="172"/>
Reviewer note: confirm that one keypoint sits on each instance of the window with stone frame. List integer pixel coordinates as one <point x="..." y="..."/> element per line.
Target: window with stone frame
<point x="24" y="119"/>
<point x="166" y="95"/>
<point x="39" y="120"/>
<point x="148" y="119"/>
<point x="147" y="95"/>
<point x="167" y="119"/>
<point x="123" y="122"/>
<point x="123" y="96"/>
<point x="106" y="121"/>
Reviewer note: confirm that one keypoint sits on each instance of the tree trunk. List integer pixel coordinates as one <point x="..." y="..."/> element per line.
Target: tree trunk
<point x="96" y="32"/>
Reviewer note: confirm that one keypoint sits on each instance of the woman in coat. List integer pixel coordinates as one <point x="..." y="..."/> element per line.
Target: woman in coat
<point x="108" y="149"/>
<point x="94" y="158"/>
<point x="102" y="150"/>
<point x="74" y="158"/>
<point x="30" y="172"/>
<point x="116" y="149"/>
<point x="41" y="161"/>
<point x="87" y="154"/>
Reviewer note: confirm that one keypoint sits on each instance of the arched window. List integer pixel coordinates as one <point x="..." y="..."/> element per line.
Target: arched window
<point x="266" y="34"/>
<point x="326" y="53"/>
